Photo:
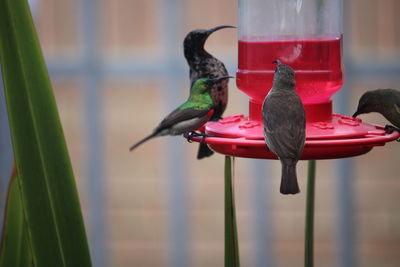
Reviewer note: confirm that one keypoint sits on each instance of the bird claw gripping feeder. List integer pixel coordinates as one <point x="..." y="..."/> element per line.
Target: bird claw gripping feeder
<point x="306" y="35"/>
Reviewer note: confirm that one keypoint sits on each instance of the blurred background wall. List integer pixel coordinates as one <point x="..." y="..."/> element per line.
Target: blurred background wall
<point x="117" y="68"/>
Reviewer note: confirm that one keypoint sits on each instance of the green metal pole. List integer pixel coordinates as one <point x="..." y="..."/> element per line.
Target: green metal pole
<point x="231" y="236"/>
<point x="309" y="232"/>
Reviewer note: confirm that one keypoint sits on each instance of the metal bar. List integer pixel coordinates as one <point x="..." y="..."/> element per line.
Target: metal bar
<point x="345" y="223"/>
<point x="123" y="68"/>
<point x="344" y="167"/>
<point x="174" y="153"/>
<point x="262" y="229"/>
<point x="92" y="76"/>
<point x="345" y="193"/>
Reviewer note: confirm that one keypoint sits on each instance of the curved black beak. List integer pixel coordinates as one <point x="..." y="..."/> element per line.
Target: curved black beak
<point x="210" y="31"/>
<point x="277" y="62"/>
<point x="356" y="114"/>
<point x="215" y="80"/>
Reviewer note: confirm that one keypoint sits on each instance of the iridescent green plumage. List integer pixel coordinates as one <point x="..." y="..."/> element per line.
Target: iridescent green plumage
<point x="200" y="96"/>
<point x="189" y="116"/>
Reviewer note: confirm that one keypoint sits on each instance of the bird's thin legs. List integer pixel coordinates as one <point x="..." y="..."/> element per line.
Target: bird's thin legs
<point x="190" y="135"/>
<point x="390" y="129"/>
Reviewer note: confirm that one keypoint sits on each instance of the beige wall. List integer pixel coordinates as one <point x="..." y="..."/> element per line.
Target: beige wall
<point x="135" y="182"/>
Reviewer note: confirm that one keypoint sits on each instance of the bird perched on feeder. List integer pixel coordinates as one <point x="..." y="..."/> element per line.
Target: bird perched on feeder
<point x="285" y="125"/>
<point x="189" y="116"/>
<point x="383" y="101"/>
<point x="204" y="65"/>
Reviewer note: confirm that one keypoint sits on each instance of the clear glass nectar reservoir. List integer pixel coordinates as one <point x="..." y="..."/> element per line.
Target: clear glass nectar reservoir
<point x="305" y="34"/>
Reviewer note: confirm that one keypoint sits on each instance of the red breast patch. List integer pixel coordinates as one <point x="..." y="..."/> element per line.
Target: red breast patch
<point x="210" y="113"/>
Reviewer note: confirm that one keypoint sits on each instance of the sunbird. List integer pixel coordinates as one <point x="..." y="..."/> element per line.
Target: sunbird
<point x="285" y="125"/>
<point x="203" y="65"/>
<point x="383" y="101"/>
<point x="188" y="117"/>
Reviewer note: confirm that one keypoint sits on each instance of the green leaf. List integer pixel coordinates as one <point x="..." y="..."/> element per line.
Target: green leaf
<point x="48" y="191"/>
<point x="15" y="250"/>
<point x="231" y="235"/>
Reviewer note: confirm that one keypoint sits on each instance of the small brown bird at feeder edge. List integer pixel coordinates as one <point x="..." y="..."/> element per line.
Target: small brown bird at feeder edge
<point x="383" y="101"/>
<point x="285" y="125"/>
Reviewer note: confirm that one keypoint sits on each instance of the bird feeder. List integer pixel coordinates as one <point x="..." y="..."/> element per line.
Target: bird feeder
<point x="306" y="35"/>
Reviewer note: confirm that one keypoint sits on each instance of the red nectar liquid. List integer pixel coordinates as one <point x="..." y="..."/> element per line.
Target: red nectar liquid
<point x="316" y="62"/>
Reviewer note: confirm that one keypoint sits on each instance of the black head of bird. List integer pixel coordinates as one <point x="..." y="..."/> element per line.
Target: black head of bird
<point x="383" y="101"/>
<point x="196" y="39"/>
<point x="371" y="101"/>
<point x="284" y="75"/>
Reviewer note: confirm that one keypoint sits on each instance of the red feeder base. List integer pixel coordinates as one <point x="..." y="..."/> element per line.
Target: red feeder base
<point x="337" y="137"/>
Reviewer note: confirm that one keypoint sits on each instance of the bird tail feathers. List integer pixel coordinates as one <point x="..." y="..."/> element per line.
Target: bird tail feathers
<point x="147" y="138"/>
<point x="204" y="151"/>
<point x="289" y="183"/>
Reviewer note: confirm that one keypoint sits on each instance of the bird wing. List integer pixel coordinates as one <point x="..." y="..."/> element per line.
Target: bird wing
<point x="284" y="125"/>
<point x="397" y="108"/>
<point x="180" y="115"/>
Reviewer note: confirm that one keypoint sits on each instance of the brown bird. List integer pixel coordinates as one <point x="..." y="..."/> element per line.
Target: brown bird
<point x="383" y="101"/>
<point x="285" y="125"/>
